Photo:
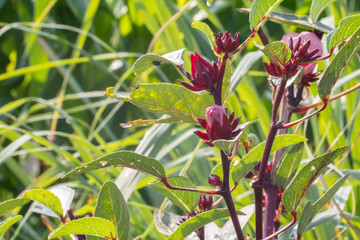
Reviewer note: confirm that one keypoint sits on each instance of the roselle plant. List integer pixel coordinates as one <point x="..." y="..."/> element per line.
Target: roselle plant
<point x="273" y="166"/>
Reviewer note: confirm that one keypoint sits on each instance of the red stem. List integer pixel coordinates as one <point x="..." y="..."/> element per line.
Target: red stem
<point x="306" y="117"/>
<point x="306" y="108"/>
<point x="226" y="194"/>
<point x="218" y="91"/>
<point x="283" y="229"/>
<point x="258" y="184"/>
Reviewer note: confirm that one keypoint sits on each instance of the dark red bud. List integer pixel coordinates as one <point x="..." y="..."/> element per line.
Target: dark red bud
<point x="205" y="203"/>
<point x="215" y="180"/>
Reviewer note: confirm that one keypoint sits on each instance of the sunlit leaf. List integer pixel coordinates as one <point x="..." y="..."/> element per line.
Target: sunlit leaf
<point x="5" y="225"/>
<point x="111" y="205"/>
<point x="338" y="64"/>
<point x="294" y="20"/>
<point x="151" y="59"/>
<point x="46" y="198"/>
<point x="288" y="166"/>
<point x="278" y="52"/>
<point x="294" y="193"/>
<point x="86" y="226"/>
<point x="203" y="27"/>
<point x="198" y="221"/>
<point x="128" y="159"/>
<point x="181" y="104"/>
<point x="310" y="210"/>
<point x="9" y="205"/>
<point x="260" y="9"/>
<point x="254" y="156"/>
<point x="317" y="6"/>
<point x="347" y="27"/>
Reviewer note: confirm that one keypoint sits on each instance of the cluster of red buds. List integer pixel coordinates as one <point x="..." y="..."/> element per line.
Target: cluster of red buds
<point x="226" y="44"/>
<point x="205" y="203"/>
<point x="305" y="48"/>
<point x="204" y="75"/>
<point x="218" y="125"/>
<point x="215" y="181"/>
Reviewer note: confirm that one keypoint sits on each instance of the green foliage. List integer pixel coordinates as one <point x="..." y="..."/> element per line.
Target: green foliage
<point x="311" y="209"/>
<point x="198" y="221"/>
<point x="5" y="225"/>
<point x="251" y="159"/>
<point x="278" y="52"/>
<point x="338" y="64"/>
<point x="9" y="205"/>
<point x="186" y="201"/>
<point x="288" y="166"/>
<point x="111" y="206"/>
<point x="347" y="27"/>
<point x="295" y="192"/>
<point x="87" y="226"/>
<point x="128" y="159"/>
<point x="260" y="9"/>
<point x="58" y="57"/>
<point x="47" y="198"/>
<point x="148" y="60"/>
<point x="317" y="6"/>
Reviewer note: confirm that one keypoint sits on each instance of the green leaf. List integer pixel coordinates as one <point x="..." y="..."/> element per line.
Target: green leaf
<point x="260" y="9"/>
<point x="317" y="6"/>
<point x="228" y="145"/>
<point x="87" y="226"/>
<point x="183" y="105"/>
<point x="288" y="166"/>
<point x="294" y="20"/>
<point x="183" y="199"/>
<point x="9" y="205"/>
<point x="128" y="159"/>
<point x="198" y="221"/>
<point x="148" y="60"/>
<point x="346" y="28"/>
<point x="254" y="156"/>
<point x="311" y="210"/>
<point x="294" y="193"/>
<point x="111" y="206"/>
<point x="46" y="198"/>
<point x="338" y="64"/>
<point x="203" y="27"/>
<point x="5" y="225"/>
<point x="278" y="52"/>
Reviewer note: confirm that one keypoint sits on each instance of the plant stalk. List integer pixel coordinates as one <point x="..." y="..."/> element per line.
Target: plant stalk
<point x="226" y="194"/>
<point x="259" y="183"/>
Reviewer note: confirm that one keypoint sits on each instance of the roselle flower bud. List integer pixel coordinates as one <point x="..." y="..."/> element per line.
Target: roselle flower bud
<point x="305" y="48"/>
<point x="205" y="203"/>
<point x="214" y="180"/>
<point x="218" y="125"/>
<point x="226" y="44"/>
<point x="204" y="75"/>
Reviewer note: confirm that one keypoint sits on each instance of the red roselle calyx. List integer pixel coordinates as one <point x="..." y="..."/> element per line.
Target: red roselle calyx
<point x="226" y="44"/>
<point x="215" y="181"/>
<point x="218" y="125"/>
<point x="204" y="75"/>
<point x="205" y="203"/>
<point x="305" y="48"/>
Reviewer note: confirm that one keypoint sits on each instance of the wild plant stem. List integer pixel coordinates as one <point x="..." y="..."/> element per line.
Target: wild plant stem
<point x="263" y="37"/>
<point x="218" y="91"/>
<point x="306" y="108"/>
<point x="258" y="185"/>
<point x="226" y="194"/>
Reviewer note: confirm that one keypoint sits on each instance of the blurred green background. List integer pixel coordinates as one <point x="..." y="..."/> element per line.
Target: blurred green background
<point x="57" y="57"/>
